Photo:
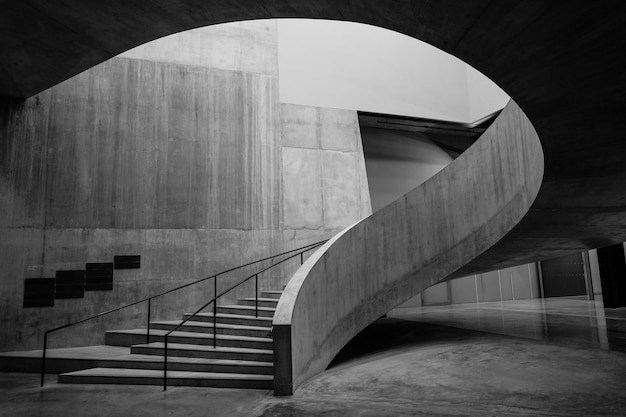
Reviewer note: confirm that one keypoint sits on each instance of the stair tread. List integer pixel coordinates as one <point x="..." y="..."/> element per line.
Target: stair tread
<point x="234" y="316"/>
<point x="273" y="300"/>
<point x="242" y="307"/>
<point x="203" y="348"/>
<point x="195" y="335"/>
<point x="209" y="325"/>
<point x="152" y="373"/>
<point x="138" y="357"/>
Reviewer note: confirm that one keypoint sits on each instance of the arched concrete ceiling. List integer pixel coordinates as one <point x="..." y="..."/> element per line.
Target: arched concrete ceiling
<point x="564" y="63"/>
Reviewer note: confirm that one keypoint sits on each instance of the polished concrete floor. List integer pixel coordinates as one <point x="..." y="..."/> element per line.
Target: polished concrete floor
<point x="553" y="357"/>
<point x="566" y="321"/>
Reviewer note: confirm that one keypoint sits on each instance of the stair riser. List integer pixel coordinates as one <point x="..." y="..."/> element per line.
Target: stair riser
<point x="58" y="366"/>
<point x="209" y="331"/>
<point x="241" y="312"/>
<point x="187" y="382"/>
<point x="183" y="353"/>
<point x="265" y="294"/>
<point x="264" y="303"/>
<point x="193" y="367"/>
<point x="243" y="320"/>
<point x="121" y="339"/>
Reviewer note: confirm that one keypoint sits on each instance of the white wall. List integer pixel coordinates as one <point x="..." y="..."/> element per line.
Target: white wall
<point x="339" y="65"/>
<point x="361" y="67"/>
<point x="485" y="97"/>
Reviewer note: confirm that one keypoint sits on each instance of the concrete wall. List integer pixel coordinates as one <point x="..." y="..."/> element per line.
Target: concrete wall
<point x="172" y="152"/>
<point x="408" y="246"/>
<point x="324" y="178"/>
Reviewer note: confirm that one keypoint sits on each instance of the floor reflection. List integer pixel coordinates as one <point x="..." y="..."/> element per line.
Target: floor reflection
<point x="571" y="322"/>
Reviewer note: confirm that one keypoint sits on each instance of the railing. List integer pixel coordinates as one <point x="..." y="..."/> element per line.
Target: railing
<point x="214" y="302"/>
<point x="299" y="252"/>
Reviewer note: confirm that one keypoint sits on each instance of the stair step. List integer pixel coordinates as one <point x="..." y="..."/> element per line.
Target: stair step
<point x="263" y="302"/>
<point x="174" y="378"/>
<point x="191" y="364"/>
<point x="246" y="310"/>
<point x="271" y="294"/>
<point x="233" y="319"/>
<point x="201" y="351"/>
<point x="138" y="336"/>
<point x="207" y="327"/>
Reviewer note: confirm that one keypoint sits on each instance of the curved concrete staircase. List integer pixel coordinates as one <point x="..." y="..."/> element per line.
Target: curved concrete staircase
<point x="408" y="246"/>
<point x="243" y="357"/>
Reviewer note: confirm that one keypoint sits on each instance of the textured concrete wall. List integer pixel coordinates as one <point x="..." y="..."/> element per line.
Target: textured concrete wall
<point x="169" y="155"/>
<point x="406" y="247"/>
<point x="250" y="46"/>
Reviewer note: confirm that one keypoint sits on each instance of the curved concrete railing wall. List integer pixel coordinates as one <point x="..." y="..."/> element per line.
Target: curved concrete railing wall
<point x="406" y="247"/>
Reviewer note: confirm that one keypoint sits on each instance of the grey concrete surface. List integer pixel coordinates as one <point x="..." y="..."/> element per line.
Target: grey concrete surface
<point x="441" y="372"/>
<point x="324" y="179"/>
<point x="22" y="397"/>
<point x="243" y="46"/>
<point x="406" y="247"/>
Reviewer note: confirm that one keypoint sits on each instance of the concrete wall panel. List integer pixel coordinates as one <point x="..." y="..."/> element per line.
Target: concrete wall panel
<point x="506" y="284"/>
<point x="338" y="129"/>
<point x="463" y="290"/>
<point x="436" y="295"/>
<point x="240" y="46"/>
<point x="324" y="169"/>
<point x="300" y="126"/>
<point x="303" y="189"/>
<point x="522" y="279"/>
<point x="341" y="195"/>
<point x="489" y="286"/>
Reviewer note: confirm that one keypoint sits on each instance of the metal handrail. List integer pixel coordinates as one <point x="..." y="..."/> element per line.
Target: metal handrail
<point x="214" y="302"/>
<point x="149" y="300"/>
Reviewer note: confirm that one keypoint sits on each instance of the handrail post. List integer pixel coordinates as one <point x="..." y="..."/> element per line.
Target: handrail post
<point x="43" y="357"/>
<point x="256" y="294"/>
<point x="148" y="326"/>
<point x="165" y="365"/>
<point x="215" y="313"/>
<point x="301" y="258"/>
